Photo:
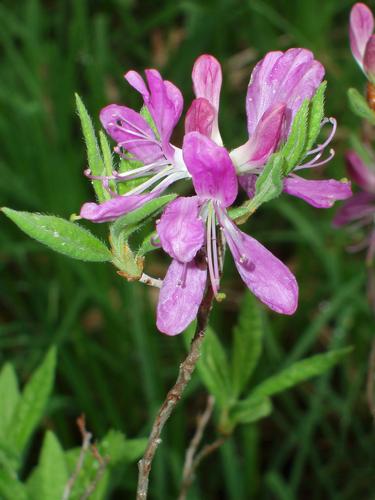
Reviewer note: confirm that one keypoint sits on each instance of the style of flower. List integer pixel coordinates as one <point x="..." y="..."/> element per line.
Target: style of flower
<point x="359" y="211"/>
<point x="362" y="39"/>
<point x="279" y="84"/>
<point x="190" y="223"/>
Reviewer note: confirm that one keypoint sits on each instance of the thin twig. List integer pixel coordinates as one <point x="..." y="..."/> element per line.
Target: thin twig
<point x="86" y="439"/>
<point x="202" y="421"/>
<point x="371" y="380"/>
<point x="174" y="395"/>
<point x="149" y="280"/>
<point x="99" y="474"/>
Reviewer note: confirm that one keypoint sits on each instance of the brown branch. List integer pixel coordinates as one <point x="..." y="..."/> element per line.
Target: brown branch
<point x="174" y="395"/>
<point x="86" y="439"/>
<point x="202" y="421"/>
<point x="99" y="474"/>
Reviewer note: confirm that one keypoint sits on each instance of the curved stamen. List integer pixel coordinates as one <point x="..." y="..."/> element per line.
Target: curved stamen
<point x="128" y="122"/>
<point x="171" y="178"/>
<point x="322" y="146"/>
<point x="145" y="185"/>
<point x="138" y="172"/>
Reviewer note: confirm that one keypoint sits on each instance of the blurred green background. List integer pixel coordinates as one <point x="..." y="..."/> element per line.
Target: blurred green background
<point x="113" y="364"/>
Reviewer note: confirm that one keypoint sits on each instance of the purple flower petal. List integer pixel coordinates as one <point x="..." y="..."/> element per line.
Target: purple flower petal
<point x="180" y="229"/>
<point x="361" y="28"/>
<point x="264" y="274"/>
<point x="360" y="205"/>
<point x="180" y="297"/>
<point x="359" y="172"/>
<point x="131" y="131"/>
<point x="163" y="100"/>
<point x="247" y="182"/>
<point x="288" y="78"/>
<point x="369" y="59"/>
<point x="212" y="170"/>
<point x="263" y="142"/>
<point x="112" y="209"/>
<point x="207" y="79"/>
<point x="200" y="117"/>
<point x="319" y="194"/>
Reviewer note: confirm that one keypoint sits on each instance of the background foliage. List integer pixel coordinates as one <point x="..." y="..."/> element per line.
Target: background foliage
<point x="112" y="364"/>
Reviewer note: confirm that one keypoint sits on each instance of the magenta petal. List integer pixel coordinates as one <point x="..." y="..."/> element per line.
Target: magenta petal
<point x="247" y="182"/>
<point x="369" y="59"/>
<point x="180" y="297"/>
<point x="319" y="194"/>
<point x="264" y="274"/>
<point x="207" y="79"/>
<point x="212" y="170"/>
<point x="163" y="100"/>
<point x="288" y="78"/>
<point x="360" y="205"/>
<point x="180" y="229"/>
<point x="361" y="28"/>
<point x="112" y="209"/>
<point x="200" y="117"/>
<point x="131" y="131"/>
<point x="359" y="172"/>
<point x="263" y="142"/>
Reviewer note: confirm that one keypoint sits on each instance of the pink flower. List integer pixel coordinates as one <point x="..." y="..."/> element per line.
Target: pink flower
<point x="188" y="224"/>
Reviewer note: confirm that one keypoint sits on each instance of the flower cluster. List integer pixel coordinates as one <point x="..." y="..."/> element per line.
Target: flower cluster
<point x="190" y="227"/>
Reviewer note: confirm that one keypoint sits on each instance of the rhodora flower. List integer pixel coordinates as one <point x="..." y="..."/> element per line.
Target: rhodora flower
<point x="359" y="211"/>
<point x="189" y="223"/>
<point x="362" y="40"/>
<point x="279" y="84"/>
<point x="138" y="142"/>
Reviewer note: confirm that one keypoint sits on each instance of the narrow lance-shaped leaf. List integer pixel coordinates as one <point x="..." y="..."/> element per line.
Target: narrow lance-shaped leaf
<point x="248" y="412"/>
<point x="32" y="403"/>
<point x="295" y="146"/>
<point x="298" y="372"/>
<point x="213" y="367"/>
<point x="247" y="344"/>
<point x="316" y="115"/>
<point x="94" y="158"/>
<point x="61" y="235"/>
<point x="360" y="107"/>
<point x="9" y="396"/>
<point x="268" y="186"/>
<point x="11" y="488"/>
<point x="51" y="475"/>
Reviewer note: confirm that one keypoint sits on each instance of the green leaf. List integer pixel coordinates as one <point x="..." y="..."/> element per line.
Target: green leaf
<point x="32" y="403"/>
<point x="9" y="396"/>
<point x="114" y="447"/>
<point x="316" y="115"/>
<point x="298" y="372"/>
<point x="213" y="368"/>
<point x="11" y="488"/>
<point x="268" y="186"/>
<point x="359" y="106"/>
<point x="295" y="147"/>
<point x="61" y="235"/>
<point x="247" y="343"/>
<point x="249" y="411"/>
<point x="94" y="157"/>
<point x="51" y="475"/>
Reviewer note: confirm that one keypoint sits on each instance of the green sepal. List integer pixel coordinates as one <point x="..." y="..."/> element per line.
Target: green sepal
<point x="295" y="147"/>
<point x="94" y="157"/>
<point x="147" y="116"/>
<point x="147" y="244"/>
<point x="316" y="116"/>
<point x="359" y="106"/>
<point x="268" y="186"/>
<point x="61" y="235"/>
